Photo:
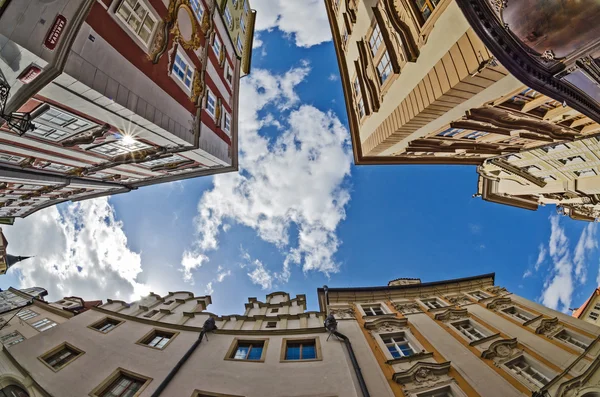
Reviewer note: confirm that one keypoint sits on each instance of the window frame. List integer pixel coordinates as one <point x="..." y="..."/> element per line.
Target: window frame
<point x="18" y="337"/>
<point x="45" y="328"/>
<point x="46" y="108"/>
<point x="359" y="100"/>
<point x="518" y="309"/>
<point x="129" y="29"/>
<point x="236" y="342"/>
<point x="525" y="379"/>
<point x="226" y="120"/>
<point x="35" y="314"/>
<point x="451" y="390"/>
<point x="45" y="356"/>
<point x="424" y="301"/>
<point x="573" y="335"/>
<point x="146" y="339"/>
<point x="378" y="56"/>
<point x="593" y="315"/>
<point x="228" y="17"/>
<point x="217" y="39"/>
<point x="202" y="393"/>
<point x="189" y="66"/>
<point x="486" y="333"/>
<point x="228" y="71"/>
<point x="480" y="292"/>
<point x="102" y="388"/>
<point x="412" y="343"/>
<point x="429" y="4"/>
<point x="370" y="306"/>
<point x="210" y="94"/>
<point x="318" y="352"/>
<point x="193" y="4"/>
<point x="105" y="319"/>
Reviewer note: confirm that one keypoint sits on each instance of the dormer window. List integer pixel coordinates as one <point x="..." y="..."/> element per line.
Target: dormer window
<point x="373" y="310"/>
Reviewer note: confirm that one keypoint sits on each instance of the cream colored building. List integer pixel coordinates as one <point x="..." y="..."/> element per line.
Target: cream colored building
<point x="590" y="310"/>
<point x="239" y="18"/>
<point x="452" y="338"/>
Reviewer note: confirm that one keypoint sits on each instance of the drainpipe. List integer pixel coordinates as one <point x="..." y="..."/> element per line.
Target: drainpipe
<point x="357" y="371"/>
<point x="179" y="364"/>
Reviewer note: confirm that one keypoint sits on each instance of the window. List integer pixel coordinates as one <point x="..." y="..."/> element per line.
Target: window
<point x="228" y="73"/>
<point x="375" y="40"/>
<point x="594" y="316"/>
<point x="398" y="345"/>
<point x="450" y="132"/>
<point x="54" y="125"/>
<point x="228" y="17"/>
<point x="384" y="67"/>
<point x="373" y="310"/>
<point x="164" y="161"/>
<point x="26" y="314"/>
<point x="360" y="104"/>
<point x="529" y="371"/>
<point x="58" y="167"/>
<point x="121" y="383"/>
<point x="475" y="135"/>
<point x="479" y="295"/>
<point x="556" y="148"/>
<point x="443" y="392"/>
<point x="11" y="339"/>
<point x="13" y="391"/>
<point x="242" y="25"/>
<point x="276" y="310"/>
<point x="197" y="8"/>
<point x="211" y="103"/>
<point x="247" y="350"/>
<point x="9" y="158"/>
<point x="572" y="160"/>
<point x="468" y="329"/>
<point x="597" y="306"/>
<point x="61" y="356"/>
<point x="43" y="325"/>
<point x="298" y="350"/>
<point x="518" y="313"/>
<point x="272" y="324"/>
<point x="227" y="123"/>
<point x="432" y="303"/>
<point x="151" y="313"/>
<point x="157" y="338"/>
<point x="120" y="147"/>
<point x="426" y="7"/>
<point x="246" y="9"/>
<point x="573" y="339"/>
<point x="217" y="46"/>
<point x="345" y="36"/>
<point x="138" y="18"/>
<point x="586" y="172"/>
<point x="106" y="325"/>
<point x="183" y="70"/>
<point x="239" y="44"/>
<point x="361" y="108"/>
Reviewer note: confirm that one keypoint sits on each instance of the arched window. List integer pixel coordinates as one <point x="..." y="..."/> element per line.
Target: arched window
<point x="592" y="394"/>
<point x="13" y="391"/>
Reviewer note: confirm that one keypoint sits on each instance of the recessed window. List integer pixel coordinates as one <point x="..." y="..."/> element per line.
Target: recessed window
<point x="247" y="350"/>
<point x="398" y="345"/>
<point x="432" y="303"/>
<point x="426" y="7"/>
<point x="298" y="350"/>
<point x="443" y="392"/>
<point x="211" y="103"/>
<point x="470" y="330"/>
<point x="479" y="295"/>
<point x="217" y="46"/>
<point x="54" y="125"/>
<point x="197" y="8"/>
<point x="556" y="148"/>
<point x="243" y="25"/>
<point x="597" y="306"/>
<point x="450" y="132"/>
<point x="61" y="356"/>
<point x="572" y="160"/>
<point x="384" y="67"/>
<point x="358" y="98"/>
<point x="227" y="123"/>
<point x="120" y="147"/>
<point x="375" y="40"/>
<point x="573" y="339"/>
<point x="43" y="325"/>
<point x="475" y="135"/>
<point x="26" y="314"/>
<point x="360" y="106"/>
<point x="158" y="339"/>
<point x="11" y="339"/>
<point x="272" y="324"/>
<point x="375" y="310"/>
<point x="183" y="71"/>
<point x="106" y="325"/>
<point x="151" y="313"/>
<point x="586" y="172"/>
<point x="345" y="36"/>
<point x="518" y="313"/>
<point x="138" y="18"/>
<point x="121" y="383"/>
<point x="228" y="17"/>
<point x="228" y="73"/>
<point x="530" y="371"/>
<point x="275" y="310"/>
<point x="246" y="9"/>
<point x="239" y="44"/>
<point x="9" y="158"/>
<point x="594" y="316"/>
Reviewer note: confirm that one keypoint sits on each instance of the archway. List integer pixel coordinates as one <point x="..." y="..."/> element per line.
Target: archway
<point x="13" y="391"/>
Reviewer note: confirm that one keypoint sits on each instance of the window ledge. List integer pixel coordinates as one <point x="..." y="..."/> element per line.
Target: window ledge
<point x="533" y="320"/>
<point x="483" y="340"/>
<point x="408" y="359"/>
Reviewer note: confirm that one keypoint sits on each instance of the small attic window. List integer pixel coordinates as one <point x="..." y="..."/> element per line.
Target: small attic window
<point x="275" y="310"/>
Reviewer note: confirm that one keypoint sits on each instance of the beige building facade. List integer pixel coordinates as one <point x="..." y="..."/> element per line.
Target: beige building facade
<point x="590" y="310"/>
<point x="452" y="338"/>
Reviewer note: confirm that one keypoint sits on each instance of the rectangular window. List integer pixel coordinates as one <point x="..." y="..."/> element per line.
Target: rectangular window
<point x="217" y="46"/>
<point x="228" y="73"/>
<point x="251" y="350"/>
<point x="300" y="350"/>
<point x="597" y="306"/>
<point x="239" y="44"/>
<point x="432" y="303"/>
<point x="227" y="123"/>
<point x="426" y="7"/>
<point x="384" y="67"/>
<point x="573" y="339"/>
<point x="54" y="125"/>
<point x="360" y="104"/>
<point x="183" y="70"/>
<point x="211" y="103"/>
<point x="11" y="339"/>
<point x="594" y="316"/>
<point x="586" y="172"/>
<point x="272" y="324"/>
<point x="197" y="8"/>
<point x="228" y="17"/>
<point x="556" y="148"/>
<point x="479" y="295"/>
<point x="529" y="370"/>
<point x="398" y="345"/>
<point x="44" y="325"/>
<point x="375" y="40"/>
<point x="138" y="18"/>
<point x="58" y="167"/>
<point x="61" y="356"/>
<point x="173" y="159"/>
<point x="276" y="310"/>
<point x="26" y="314"/>
<point x="361" y="108"/>
<point x="373" y="310"/>
<point x="9" y="158"/>
<point x="243" y="25"/>
<point x="518" y="314"/>
<point x="106" y="325"/>
<point x="475" y="135"/>
<point x="246" y="9"/>
<point x="443" y="392"/>
<point x="345" y="36"/>
<point x="157" y="339"/>
<point x="572" y="160"/>
<point x="151" y="313"/>
<point x="124" y="385"/>
<point x="468" y="329"/>
<point x="120" y="147"/>
<point x="450" y="132"/>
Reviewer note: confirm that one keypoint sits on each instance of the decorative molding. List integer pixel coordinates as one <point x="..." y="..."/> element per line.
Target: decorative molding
<point x="498" y="303"/>
<point x="407" y="307"/>
<point x="496" y="290"/>
<point x="452" y="314"/>
<point x="159" y="46"/>
<point x="571" y="387"/>
<point x="548" y="326"/>
<point x="393" y="324"/>
<point x="501" y="350"/>
<point x="409" y="45"/>
<point x="370" y="76"/>
<point x="343" y="313"/>
<point x="422" y="373"/>
<point x="87" y="138"/>
<point x="458" y="299"/>
<point x="413" y="357"/>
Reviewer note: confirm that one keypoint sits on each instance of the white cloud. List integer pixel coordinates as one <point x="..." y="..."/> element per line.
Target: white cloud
<point x="541" y="256"/>
<point x="221" y="275"/>
<point x="293" y="181"/>
<point x="261" y="276"/>
<point x="474" y="228"/>
<point x="256" y="41"/>
<point x="333" y="77"/>
<point x="586" y="244"/>
<point x="81" y="250"/>
<point x="304" y="20"/>
<point x="560" y="285"/>
<point x="528" y="273"/>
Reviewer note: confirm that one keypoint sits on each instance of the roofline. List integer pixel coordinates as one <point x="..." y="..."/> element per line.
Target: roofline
<point x="409" y="286"/>
<point x="585" y="305"/>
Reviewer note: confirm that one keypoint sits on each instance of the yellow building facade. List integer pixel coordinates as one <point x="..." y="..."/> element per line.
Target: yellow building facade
<point x="240" y="18"/>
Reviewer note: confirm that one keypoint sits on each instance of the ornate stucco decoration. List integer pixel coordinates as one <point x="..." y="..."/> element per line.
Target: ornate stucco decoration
<point x="389" y="324"/>
<point x="185" y="26"/>
<point x="218" y="112"/>
<point x="423" y="374"/>
<point x="370" y="76"/>
<point x="498" y="303"/>
<point x="173" y="166"/>
<point x="502" y="351"/>
<point x="407" y="307"/>
<point x="496" y="290"/>
<point x="87" y="137"/>
<point x="452" y="314"/>
<point x="160" y="42"/>
<point x="548" y="326"/>
<point x="402" y="29"/>
<point x="342" y="312"/>
<point x="576" y="386"/>
<point x="458" y="299"/>
<point x="198" y="87"/>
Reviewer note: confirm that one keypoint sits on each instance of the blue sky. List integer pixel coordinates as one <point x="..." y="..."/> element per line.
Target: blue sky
<point x="300" y="214"/>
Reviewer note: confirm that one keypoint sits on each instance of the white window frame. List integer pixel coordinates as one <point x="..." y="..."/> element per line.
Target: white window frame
<point x="228" y="17"/>
<point x="368" y="309"/>
<point x="450" y="390"/>
<point x="462" y="328"/>
<point x="189" y="67"/>
<point x="27" y="314"/>
<point x="239" y="44"/>
<point x="573" y="339"/>
<point x="243" y="25"/>
<point x="197" y="9"/>
<point x="44" y="324"/>
<point x="210" y="95"/>
<point x="384" y="68"/>
<point x="129" y="29"/>
<point x="226" y="120"/>
<point x="427" y="301"/>
<point x="68" y="132"/>
<point x="228" y="70"/>
<point x="220" y="46"/>
<point x="11" y="158"/>
<point x="12" y="338"/>
<point x="408" y="340"/>
<point x="518" y="310"/>
<point x="526" y="377"/>
<point x="478" y="292"/>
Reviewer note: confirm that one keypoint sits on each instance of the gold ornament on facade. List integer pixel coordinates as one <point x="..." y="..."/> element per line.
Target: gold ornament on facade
<point x="206" y="23"/>
<point x="218" y="112"/>
<point x="158" y="45"/>
<point x="198" y="87"/>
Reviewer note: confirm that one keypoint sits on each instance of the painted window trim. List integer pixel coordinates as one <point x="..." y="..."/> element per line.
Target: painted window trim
<point x="483" y="330"/>
<point x="318" y="351"/>
<point x="190" y="66"/>
<point x="97" y="323"/>
<point x="43" y="357"/>
<point x="127" y="29"/>
<point x="144" y="340"/>
<point x="210" y="94"/>
<point x="414" y="344"/>
<point x="234" y="345"/>
<point x="106" y="383"/>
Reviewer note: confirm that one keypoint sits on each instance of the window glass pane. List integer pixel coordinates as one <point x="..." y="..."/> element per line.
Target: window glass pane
<point x="242" y="352"/>
<point x="293" y="352"/>
<point x="255" y="353"/>
<point x="309" y="352"/>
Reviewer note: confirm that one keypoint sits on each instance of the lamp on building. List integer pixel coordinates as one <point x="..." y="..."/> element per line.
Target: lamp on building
<point x="17" y="121"/>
